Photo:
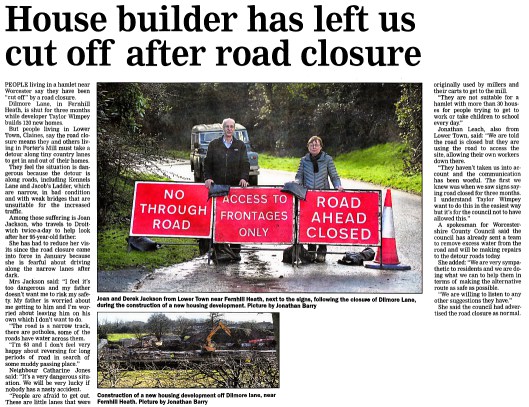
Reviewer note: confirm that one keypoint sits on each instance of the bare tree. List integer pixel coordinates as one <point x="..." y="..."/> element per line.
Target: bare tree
<point x="159" y="324"/>
<point x="275" y="320"/>
<point x="138" y="330"/>
<point x="215" y="317"/>
<point x="103" y="328"/>
<point x="183" y="327"/>
<point x="114" y="367"/>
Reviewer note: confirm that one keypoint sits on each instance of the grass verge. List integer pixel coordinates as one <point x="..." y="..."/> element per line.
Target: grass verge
<point x="113" y="254"/>
<point x="118" y="337"/>
<point x="112" y="247"/>
<point x="381" y="165"/>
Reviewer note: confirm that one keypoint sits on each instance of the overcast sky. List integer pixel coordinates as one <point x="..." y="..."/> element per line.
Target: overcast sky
<point x="144" y="316"/>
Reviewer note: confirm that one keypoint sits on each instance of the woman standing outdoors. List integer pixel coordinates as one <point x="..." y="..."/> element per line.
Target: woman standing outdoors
<point x="315" y="170"/>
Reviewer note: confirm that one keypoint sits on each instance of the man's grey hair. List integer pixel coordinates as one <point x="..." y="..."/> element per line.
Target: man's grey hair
<point x="227" y="120"/>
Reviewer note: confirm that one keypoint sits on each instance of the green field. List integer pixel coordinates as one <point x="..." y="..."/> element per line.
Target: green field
<point x="380" y="165"/>
<point x="113" y="253"/>
<point x="117" y="337"/>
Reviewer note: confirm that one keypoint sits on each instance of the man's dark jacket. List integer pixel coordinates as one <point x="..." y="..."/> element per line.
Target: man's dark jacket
<point x="226" y="166"/>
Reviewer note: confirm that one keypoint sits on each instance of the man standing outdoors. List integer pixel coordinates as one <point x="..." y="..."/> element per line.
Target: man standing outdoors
<point x="226" y="161"/>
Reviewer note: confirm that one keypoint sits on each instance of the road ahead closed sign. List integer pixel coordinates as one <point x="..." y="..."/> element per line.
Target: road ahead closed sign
<point x="171" y="210"/>
<point x="254" y="215"/>
<point x="340" y="218"/>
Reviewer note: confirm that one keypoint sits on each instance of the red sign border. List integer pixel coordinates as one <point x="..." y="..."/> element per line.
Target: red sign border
<point x="379" y="217"/>
<point x="208" y="236"/>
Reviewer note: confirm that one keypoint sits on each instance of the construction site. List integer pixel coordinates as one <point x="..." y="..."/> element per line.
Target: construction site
<point x="205" y="354"/>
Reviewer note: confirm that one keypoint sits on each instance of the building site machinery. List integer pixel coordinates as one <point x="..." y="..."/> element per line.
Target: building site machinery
<point x="209" y="346"/>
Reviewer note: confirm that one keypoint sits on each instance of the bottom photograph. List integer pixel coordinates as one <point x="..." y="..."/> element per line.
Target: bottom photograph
<point x="188" y="350"/>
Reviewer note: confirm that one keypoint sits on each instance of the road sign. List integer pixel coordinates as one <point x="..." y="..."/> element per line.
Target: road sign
<point x="171" y="209"/>
<point x="340" y="218"/>
<point x="254" y="215"/>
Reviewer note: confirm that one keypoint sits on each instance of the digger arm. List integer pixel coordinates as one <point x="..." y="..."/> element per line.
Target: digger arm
<point x="208" y="345"/>
<point x="225" y="328"/>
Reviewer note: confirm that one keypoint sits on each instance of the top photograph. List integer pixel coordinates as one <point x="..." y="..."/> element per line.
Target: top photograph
<point x="259" y="187"/>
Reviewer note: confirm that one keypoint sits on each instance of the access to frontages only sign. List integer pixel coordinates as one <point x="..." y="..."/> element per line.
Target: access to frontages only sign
<point x="257" y="215"/>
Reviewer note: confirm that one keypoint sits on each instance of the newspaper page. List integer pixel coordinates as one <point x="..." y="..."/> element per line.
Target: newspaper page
<point x="435" y="313"/>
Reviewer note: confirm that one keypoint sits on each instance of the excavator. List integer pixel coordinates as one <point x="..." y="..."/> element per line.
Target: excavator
<point x="209" y="345"/>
